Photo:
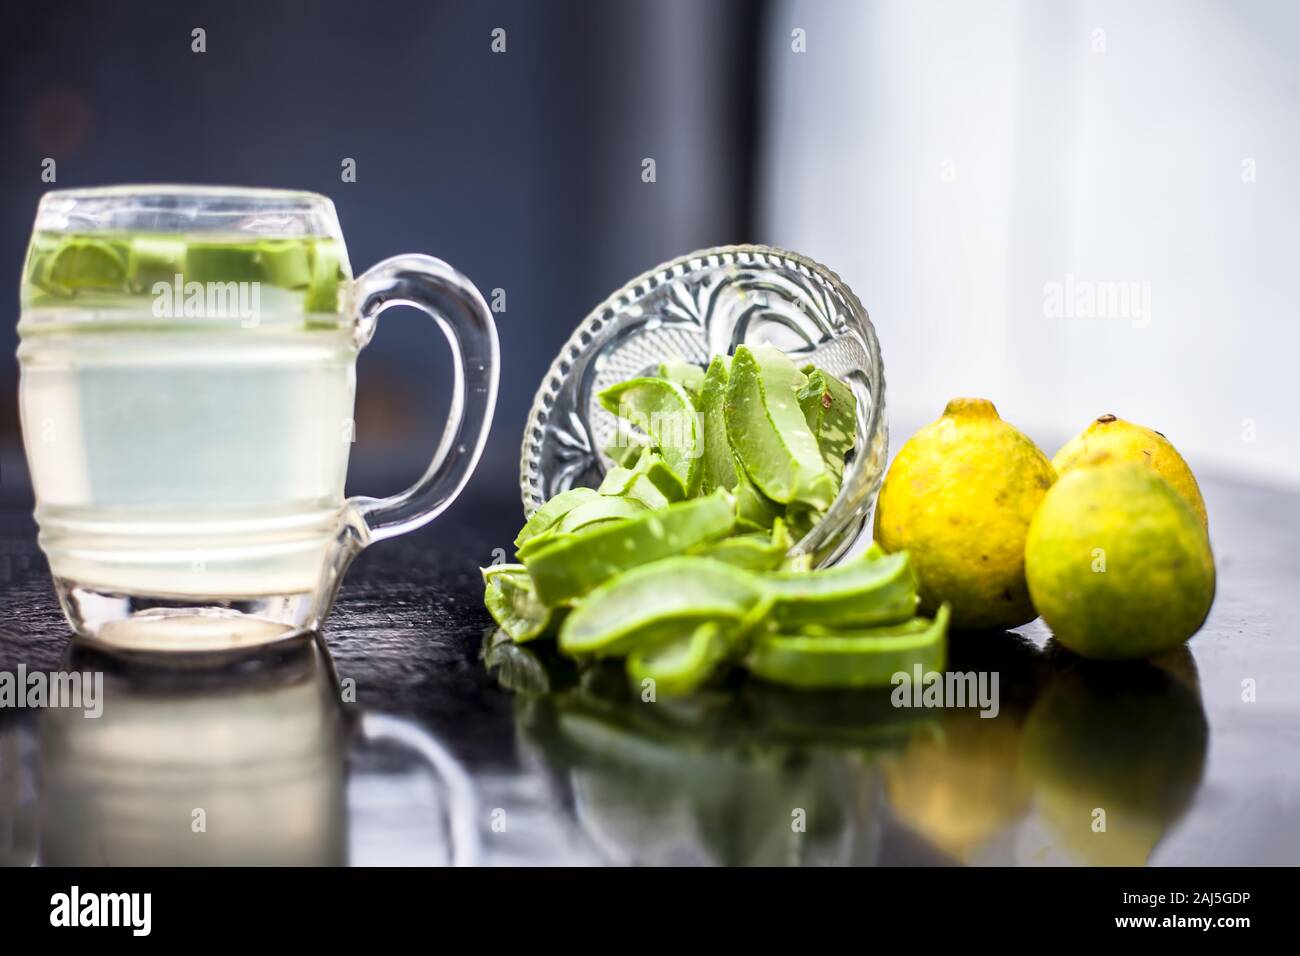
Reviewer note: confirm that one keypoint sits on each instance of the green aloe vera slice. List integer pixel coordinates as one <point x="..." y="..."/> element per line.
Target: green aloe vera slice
<point x="858" y="592"/>
<point x="831" y="412"/>
<point x="768" y="431"/>
<point x="510" y="599"/>
<point x="599" y="509"/>
<point x="660" y="601"/>
<point x="573" y="564"/>
<point x="655" y="470"/>
<point x="84" y="263"/>
<point x="753" y="508"/>
<point x="753" y="552"/>
<point x="552" y="511"/>
<point x="664" y="411"/>
<point x="286" y="264"/>
<point x="326" y="276"/>
<point x="617" y="481"/>
<point x="683" y="665"/>
<point x="866" y="658"/>
<point x="719" y="460"/>
<point x="637" y="486"/>
<point x="222" y="262"/>
<point x="153" y="259"/>
<point x="625" y="450"/>
<point x="686" y="374"/>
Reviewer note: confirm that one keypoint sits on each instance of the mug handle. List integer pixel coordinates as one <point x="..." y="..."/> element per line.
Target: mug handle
<point x="452" y="301"/>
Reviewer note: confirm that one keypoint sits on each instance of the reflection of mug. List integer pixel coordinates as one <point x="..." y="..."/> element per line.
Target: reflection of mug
<point x="188" y="363"/>
<point x="246" y="764"/>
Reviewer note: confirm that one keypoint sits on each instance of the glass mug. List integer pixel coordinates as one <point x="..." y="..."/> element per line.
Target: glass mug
<point x="188" y="366"/>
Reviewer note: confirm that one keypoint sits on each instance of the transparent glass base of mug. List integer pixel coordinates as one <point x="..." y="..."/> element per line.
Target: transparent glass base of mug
<point x="169" y="623"/>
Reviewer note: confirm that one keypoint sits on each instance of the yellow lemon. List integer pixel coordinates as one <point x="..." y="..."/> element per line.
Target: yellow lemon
<point x="959" y="498"/>
<point x="1126" y="441"/>
<point x="1118" y="564"/>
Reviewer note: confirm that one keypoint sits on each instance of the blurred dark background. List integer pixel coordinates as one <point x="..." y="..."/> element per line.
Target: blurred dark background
<point x="953" y="162"/>
<point x="522" y="168"/>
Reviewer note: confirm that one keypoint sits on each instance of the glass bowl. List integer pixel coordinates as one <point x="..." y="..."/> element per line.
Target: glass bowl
<point x="691" y="308"/>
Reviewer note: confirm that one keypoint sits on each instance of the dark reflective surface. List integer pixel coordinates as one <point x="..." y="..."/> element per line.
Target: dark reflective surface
<point x="1191" y="758"/>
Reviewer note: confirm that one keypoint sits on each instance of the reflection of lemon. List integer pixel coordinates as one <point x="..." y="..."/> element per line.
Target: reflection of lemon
<point x="1119" y="746"/>
<point x="1117" y="563"/>
<point x="960" y="787"/>
<point x="959" y="497"/>
<point x="1125" y="441"/>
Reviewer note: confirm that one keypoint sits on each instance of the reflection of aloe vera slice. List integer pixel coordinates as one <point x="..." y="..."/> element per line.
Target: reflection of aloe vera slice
<point x="575" y="563"/>
<point x="768" y="431"/>
<point x="657" y="602"/>
<point x="82" y="264"/>
<point x="597" y="510"/>
<point x="831" y="412"/>
<point x="859" y="592"/>
<point x="719" y="460"/>
<point x="664" y="411"/>
<point x="686" y="374"/>
<point x="866" y="658"/>
<point x="510" y="599"/>
<point x="682" y="665"/>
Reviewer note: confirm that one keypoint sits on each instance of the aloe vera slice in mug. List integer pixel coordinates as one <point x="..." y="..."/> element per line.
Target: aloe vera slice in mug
<point x="768" y="431"/>
<point x="866" y="658"/>
<point x="656" y="602"/>
<point x="510" y="599"/>
<point x="664" y="411"/>
<point x="552" y="511"/>
<point x="681" y="665"/>
<point x="858" y="592"/>
<point x="831" y="412"/>
<point x="572" y="564"/>
<point x="84" y="263"/>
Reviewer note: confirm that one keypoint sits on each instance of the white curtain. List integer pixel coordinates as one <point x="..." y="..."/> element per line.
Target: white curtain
<point x="1068" y="207"/>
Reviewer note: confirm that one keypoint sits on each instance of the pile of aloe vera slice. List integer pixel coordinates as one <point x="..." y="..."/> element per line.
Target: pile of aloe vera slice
<point x="681" y="561"/>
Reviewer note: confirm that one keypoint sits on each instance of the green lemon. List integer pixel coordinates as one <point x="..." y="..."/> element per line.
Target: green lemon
<point x="959" y="497"/>
<point x="1125" y="441"/>
<point x="1118" y="563"/>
